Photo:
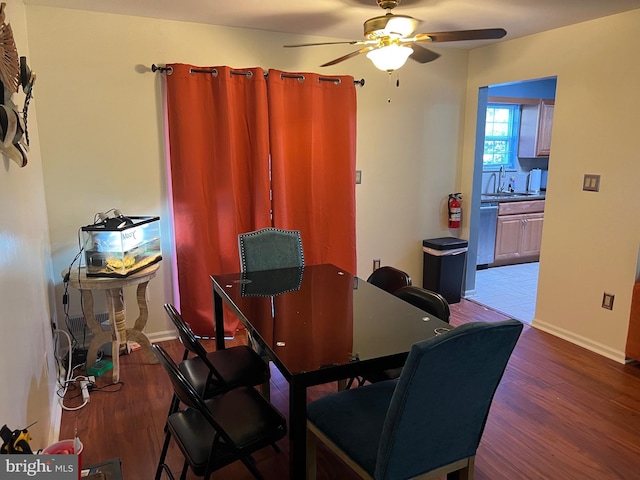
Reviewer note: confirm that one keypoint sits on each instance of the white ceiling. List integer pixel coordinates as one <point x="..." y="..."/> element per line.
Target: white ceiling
<point x="344" y="18"/>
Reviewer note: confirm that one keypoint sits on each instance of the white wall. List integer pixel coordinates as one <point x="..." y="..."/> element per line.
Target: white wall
<point x="103" y="144"/>
<point x="27" y="371"/>
<point x="590" y="240"/>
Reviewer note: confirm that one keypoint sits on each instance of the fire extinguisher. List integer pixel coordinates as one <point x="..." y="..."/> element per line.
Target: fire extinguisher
<point x="455" y="209"/>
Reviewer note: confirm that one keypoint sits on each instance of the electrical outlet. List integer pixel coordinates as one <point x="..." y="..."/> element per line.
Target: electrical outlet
<point x="376" y="264"/>
<point x="607" y="300"/>
<point x="591" y="183"/>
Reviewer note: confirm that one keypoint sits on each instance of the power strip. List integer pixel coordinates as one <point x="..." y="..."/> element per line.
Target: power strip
<point x="84" y="385"/>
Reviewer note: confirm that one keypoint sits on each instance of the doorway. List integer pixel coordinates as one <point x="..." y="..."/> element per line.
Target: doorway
<point x="505" y="286"/>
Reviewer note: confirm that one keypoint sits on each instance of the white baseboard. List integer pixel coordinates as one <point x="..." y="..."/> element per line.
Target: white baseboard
<point x="162" y="336"/>
<point x="589" y="344"/>
<point x="56" y="420"/>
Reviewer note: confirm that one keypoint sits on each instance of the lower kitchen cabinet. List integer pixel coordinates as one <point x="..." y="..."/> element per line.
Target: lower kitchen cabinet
<point x="519" y="235"/>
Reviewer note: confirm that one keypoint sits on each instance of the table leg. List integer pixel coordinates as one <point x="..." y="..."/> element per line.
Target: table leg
<point x="297" y="430"/>
<point x="100" y="337"/>
<point x="136" y="333"/>
<point x="218" y="315"/>
<point x="115" y="303"/>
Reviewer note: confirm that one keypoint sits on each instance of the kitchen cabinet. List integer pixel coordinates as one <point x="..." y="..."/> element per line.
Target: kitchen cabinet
<point x="519" y="232"/>
<point x="536" y="122"/>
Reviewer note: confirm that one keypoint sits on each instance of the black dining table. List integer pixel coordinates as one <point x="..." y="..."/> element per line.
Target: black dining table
<point x="319" y="324"/>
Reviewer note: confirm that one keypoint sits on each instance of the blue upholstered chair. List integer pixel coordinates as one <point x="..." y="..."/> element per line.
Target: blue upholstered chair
<point x="430" y="420"/>
<point x="270" y="248"/>
<point x="389" y="278"/>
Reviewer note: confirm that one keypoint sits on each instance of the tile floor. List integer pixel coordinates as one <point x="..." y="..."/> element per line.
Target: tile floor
<point x="511" y="290"/>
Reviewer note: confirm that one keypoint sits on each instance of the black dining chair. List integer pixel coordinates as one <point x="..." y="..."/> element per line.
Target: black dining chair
<point x="212" y="433"/>
<point x="427" y="422"/>
<point x="211" y="373"/>
<point x="427" y="300"/>
<point x="389" y="278"/>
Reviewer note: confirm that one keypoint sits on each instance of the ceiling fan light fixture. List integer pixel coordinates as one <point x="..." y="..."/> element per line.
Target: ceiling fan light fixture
<point x="397" y="26"/>
<point x="401" y="25"/>
<point x="390" y="57"/>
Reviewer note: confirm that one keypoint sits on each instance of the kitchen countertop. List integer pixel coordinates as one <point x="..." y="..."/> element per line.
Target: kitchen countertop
<point x="511" y="196"/>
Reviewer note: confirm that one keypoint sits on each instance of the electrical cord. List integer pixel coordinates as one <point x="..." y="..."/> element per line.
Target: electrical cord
<point x="63" y="387"/>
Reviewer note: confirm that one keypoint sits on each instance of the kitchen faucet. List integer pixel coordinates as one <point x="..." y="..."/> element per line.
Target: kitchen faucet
<point x="501" y="176"/>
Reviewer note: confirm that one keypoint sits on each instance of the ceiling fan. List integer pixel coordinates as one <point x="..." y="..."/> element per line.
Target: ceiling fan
<point x="390" y="40"/>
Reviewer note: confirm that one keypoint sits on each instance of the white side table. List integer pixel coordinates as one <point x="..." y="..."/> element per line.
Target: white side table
<point x="119" y="334"/>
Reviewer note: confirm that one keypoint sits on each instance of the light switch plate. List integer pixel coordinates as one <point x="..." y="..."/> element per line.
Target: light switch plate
<point x="358" y="176"/>
<point x="591" y="183"/>
<point x="607" y="300"/>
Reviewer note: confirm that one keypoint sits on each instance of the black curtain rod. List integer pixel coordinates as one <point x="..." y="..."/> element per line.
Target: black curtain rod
<point x="155" y="68"/>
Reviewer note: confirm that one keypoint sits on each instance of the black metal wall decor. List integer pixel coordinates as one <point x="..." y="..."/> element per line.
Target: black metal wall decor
<point x="14" y="73"/>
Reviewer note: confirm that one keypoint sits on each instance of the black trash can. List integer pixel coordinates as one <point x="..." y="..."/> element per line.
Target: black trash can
<point x="443" y="266"/>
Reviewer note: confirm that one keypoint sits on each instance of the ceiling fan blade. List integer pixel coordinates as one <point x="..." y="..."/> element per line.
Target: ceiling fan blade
<point x="348" y="42"/>
<point x="459" y="35"/>
<point x="347" y="56"/>
<point x="423" y="55"/>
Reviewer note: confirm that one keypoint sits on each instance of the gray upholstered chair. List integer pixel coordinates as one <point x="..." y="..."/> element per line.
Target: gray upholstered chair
<point x="270" y="248"/>
<point x="389" y="278"/>
<point x="427" y="422"/>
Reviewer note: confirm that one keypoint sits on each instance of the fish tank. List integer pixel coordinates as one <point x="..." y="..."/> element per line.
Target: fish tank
<point x="120" y="246"/>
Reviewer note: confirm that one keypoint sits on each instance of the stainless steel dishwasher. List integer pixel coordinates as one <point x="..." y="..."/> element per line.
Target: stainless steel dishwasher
<point x="487" y="233"/>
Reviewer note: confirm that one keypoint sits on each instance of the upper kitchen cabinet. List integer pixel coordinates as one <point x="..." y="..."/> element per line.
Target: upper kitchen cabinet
<point x="536" y="122"/>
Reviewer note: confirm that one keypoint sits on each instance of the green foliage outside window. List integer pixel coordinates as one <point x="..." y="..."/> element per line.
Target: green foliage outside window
<point x="501" y="136"/>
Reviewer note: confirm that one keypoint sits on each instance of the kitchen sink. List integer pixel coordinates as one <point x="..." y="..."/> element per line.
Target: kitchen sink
<point x="508" y="194"/>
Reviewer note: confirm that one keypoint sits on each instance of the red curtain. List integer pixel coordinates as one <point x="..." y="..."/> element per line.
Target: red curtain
<point x="312" y="121"/>
<point x="222" y="129"/>
<point x="219" y="148"/>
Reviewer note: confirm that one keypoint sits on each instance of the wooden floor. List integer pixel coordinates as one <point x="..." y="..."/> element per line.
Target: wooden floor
<point x="561" y="412"/>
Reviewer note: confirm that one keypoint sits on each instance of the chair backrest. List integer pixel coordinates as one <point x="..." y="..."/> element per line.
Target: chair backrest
<point x="270" y="248"/>
<point x="184" y="390"/>
<point x="187" y="337"/>
<point x="389" y="278"/>
<point x="430" y="302"/>
<point x="441" y="402"/>
<point x="191" y="343"/>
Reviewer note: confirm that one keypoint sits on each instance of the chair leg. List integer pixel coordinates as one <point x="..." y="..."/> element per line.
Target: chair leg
<point x="360" y="381"/>
<point x="465" y="473"/>
<point x="250" y="463"/>
<point x="311" y="456"/>
<point x="163" y="455"/>
<point x="173" y="408"/>
<point x="185" y="467"/>
<point x="166" y="469"/>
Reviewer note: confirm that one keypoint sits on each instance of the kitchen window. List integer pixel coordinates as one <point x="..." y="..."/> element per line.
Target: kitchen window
<point x="501" y="136"/>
